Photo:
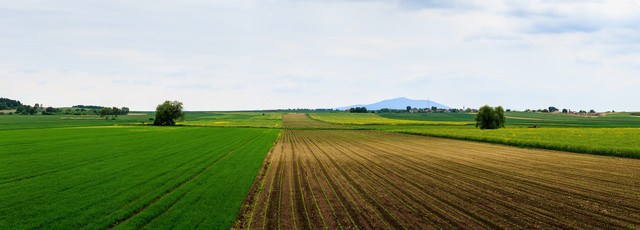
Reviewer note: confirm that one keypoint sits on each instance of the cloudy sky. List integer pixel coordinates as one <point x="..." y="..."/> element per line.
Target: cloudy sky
<point x="238" y="55"/>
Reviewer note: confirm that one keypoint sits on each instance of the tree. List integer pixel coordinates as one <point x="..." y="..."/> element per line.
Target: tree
<point x="124" y="111"/>
<point x="565" y="111"/>
<point x="592" y="111"/>
<point x="552" y="109"/>
<point x="105" y="112"/>
<point x="168" y="112"/>
<point x="3" y="105"/>
<point x="115" y="112"/>
<point x="408" y="108"/>
<point x="490" y="118"/>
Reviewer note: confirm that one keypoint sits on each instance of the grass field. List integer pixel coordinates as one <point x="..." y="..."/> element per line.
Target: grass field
<point x="234" y="119"/>
<point x="621" y="142"/>
<point x="10" y="122"/>
<point x="342" y="179"/>
<point x="127" y="177"/>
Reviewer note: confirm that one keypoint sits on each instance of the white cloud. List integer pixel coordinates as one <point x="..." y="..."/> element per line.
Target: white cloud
<point x="229" y="55"/>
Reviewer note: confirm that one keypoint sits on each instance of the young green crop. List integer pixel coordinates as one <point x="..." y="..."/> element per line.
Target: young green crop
<point x="95" y="177"/>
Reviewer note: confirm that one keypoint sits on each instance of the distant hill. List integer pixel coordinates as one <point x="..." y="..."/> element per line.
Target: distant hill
<point x="399" y="103"/>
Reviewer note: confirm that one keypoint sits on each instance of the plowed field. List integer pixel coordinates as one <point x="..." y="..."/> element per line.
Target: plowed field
<point x="345" y="179"/>
<point x="300" y="120"/>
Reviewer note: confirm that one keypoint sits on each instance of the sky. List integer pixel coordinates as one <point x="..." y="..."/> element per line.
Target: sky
<point x="278" y="54"/>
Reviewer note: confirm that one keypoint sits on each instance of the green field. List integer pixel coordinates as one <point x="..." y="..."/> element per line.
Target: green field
<point x="95" y="177"/>
<point x="233" y="119"/>
<point x="9" y="122"/>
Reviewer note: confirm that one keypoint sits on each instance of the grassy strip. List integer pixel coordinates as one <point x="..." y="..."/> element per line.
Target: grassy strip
<point x="589" y="141"/>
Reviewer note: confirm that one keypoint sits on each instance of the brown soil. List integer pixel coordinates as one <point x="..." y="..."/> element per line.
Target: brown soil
<point x="137" y="114"/>
<point x="7" y="111"/>
<point x="301" y="120"/>
<point x="345" y="179"/>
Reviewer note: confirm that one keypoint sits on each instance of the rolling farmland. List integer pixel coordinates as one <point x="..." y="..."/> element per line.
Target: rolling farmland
<point x="341" y="179"/>
<point x="119" y="174"/>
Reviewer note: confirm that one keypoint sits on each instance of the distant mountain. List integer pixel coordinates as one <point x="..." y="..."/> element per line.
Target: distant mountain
<point x="399" y="103"/>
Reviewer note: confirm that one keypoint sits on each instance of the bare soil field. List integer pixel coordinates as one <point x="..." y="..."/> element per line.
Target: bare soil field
<point x="300" y="120"/>
<point x="354" y="179"/>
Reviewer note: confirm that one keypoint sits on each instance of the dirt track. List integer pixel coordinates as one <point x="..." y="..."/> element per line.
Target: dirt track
<point x="341" y="179"/>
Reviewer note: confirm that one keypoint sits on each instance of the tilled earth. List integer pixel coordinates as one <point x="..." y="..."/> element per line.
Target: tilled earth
<point x="354" y="179"/>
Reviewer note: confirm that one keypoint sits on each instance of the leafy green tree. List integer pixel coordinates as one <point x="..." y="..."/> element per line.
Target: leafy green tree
<point x="490" y="118"/>
<point x="124" y="111"/>
<point x="358" y="110"/>
<point x="552" y="109"/>
<point x="408" y="108"/>
<point x="168" y="112"/>
<point x="565" y="111"/>
<point x="592" y="111"/>
<point x="105" y="112"/>
<point x="3" y="106"/>
<point x="114" y="113"/>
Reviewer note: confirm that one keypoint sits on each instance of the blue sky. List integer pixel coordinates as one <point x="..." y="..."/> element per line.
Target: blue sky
<point x="236" y="55"/>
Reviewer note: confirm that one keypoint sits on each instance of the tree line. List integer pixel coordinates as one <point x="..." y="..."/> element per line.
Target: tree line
<point x="358" y="110"/>
<point x="113" y="112"/>
<point x="6" y="103"/>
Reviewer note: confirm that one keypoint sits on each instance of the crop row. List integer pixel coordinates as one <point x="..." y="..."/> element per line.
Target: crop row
<point x="127" y="177"/>
<point x="366" y="179"/>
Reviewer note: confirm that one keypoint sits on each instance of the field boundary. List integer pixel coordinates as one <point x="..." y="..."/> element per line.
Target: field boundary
<point x="245" y="215"/>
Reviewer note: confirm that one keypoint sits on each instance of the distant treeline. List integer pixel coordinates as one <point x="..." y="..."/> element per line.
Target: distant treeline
<point x="6" y="103"/>
<point x="300" y="110"/>
<point x="88" y="106"/>
<point x="358" y="110"/>
<point x="409" y="109"/>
